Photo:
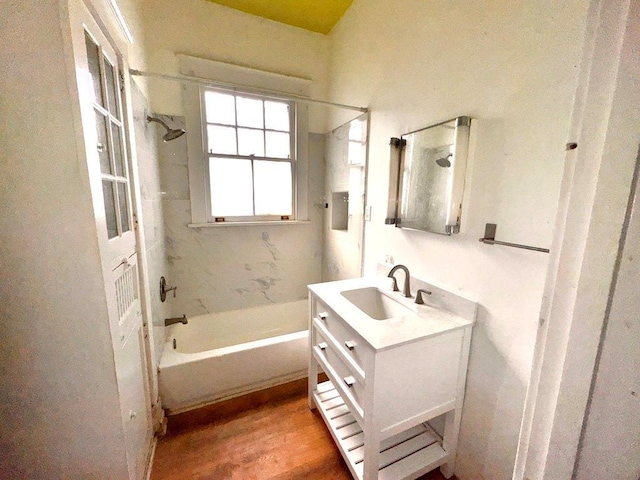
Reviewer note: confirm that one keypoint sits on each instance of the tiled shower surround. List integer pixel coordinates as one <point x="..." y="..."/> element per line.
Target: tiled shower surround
<point x="225" y="268"/>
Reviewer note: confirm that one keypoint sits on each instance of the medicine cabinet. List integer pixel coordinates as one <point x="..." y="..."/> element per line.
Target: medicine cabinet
<point x="428" y="168"/>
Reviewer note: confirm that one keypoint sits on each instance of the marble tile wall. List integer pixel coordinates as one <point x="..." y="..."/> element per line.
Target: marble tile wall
<point x="225" y="268"/>
<point x="147" y="137"/>
<point x="342" y="257"/>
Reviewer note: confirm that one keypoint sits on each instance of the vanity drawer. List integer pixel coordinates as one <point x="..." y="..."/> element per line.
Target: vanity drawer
<point x="340" y="374"/>
<point x="349" y="341"/>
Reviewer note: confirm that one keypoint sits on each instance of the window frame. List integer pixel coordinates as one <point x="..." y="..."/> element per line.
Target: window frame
<point x="108" y="60"/>
<point x="292" y="160"/>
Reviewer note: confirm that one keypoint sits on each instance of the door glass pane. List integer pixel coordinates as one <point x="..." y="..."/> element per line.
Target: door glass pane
<point x="273" y="187"/>
<point x="93" y="57"/>
<point x="220" y="108"/>
<point x="117" y="149"/>
<point x="103" y="143"/>
<point x="250" y="142"/>
<point x="221" y="139"/>
<point x="112" y="88"/>
<point x="277" y="144"/>
<point x="276" y="116"/>
<point x="110" y="208"/>
<point x="231" y="187"/>
<point x="123" y="200"/>
<point x="250" y="112"/>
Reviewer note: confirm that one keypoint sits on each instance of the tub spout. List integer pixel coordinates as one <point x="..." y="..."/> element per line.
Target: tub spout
<point x="171" y="321"/>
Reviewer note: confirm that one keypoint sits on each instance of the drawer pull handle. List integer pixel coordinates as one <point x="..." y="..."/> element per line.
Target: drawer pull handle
<point x="323" y="315"/>
<point x="349" y="381"/>
<point x="322" y="346"/>
<point x="349" y="344"/>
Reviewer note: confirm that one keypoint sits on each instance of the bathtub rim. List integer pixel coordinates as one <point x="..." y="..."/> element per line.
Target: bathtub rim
<point x="177" y="359"/>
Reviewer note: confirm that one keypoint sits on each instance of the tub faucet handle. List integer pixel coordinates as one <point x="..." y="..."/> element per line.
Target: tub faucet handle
<point x="164" y="289"/>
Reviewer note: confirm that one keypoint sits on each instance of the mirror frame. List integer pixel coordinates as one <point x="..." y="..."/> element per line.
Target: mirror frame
<point x="454" y="187"/>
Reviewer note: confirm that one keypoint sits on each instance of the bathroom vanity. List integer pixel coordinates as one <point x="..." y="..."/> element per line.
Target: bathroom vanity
<point x="393" y="366"/>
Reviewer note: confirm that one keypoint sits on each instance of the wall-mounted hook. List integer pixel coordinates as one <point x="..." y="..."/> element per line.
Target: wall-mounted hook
<point x="164" y="289"/>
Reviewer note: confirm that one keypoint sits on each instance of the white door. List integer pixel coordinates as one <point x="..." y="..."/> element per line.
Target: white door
<point x="98" y="68"/>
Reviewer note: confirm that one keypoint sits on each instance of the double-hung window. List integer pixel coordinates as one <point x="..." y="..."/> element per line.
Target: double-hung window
<point x="250" y="156"/>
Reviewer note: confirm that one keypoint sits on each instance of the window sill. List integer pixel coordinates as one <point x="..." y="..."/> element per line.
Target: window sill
<point x="248" y="224"/>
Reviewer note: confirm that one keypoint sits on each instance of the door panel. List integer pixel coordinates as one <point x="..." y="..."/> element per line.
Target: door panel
<point x="100" y="91"/>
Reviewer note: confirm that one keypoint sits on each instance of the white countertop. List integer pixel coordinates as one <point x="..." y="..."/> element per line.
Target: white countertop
<point x="423" y="322"/>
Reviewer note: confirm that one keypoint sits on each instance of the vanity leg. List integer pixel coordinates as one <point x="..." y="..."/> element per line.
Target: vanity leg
<point x="312" y="380"/>
<point x="371" y="455"/>
<point x="449" y="442"/>
<point x="452" y="420"/>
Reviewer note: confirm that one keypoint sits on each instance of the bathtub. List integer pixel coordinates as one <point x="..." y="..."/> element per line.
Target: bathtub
<point x="222" y="355"/>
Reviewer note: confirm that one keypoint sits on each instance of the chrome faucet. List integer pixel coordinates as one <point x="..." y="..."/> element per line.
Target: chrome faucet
<point x="406" y="290"/>
<point x="171" y="321"/>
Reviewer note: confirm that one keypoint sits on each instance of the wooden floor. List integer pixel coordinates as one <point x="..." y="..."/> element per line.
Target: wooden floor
<point x="267" y="435"/>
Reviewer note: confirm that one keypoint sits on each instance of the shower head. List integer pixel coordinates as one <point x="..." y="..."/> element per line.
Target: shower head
<point x="171" y="134"/>
<point x="445" y="162"/>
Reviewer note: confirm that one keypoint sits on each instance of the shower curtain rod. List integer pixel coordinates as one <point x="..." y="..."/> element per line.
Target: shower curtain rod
<point x="213" y="83"/>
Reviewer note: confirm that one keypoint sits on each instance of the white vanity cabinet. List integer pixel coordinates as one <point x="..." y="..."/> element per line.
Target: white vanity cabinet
<point x="383" y="390"/>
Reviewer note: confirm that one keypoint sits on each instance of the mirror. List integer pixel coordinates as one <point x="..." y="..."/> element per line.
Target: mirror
<point x="431" y="177"/>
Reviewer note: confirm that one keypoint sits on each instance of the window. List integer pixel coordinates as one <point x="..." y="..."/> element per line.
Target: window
<point x="250" y="161"/>
<point x="110" y="135"/>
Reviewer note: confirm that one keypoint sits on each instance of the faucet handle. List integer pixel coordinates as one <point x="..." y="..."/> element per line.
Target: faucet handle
<point x="419" y="299"/>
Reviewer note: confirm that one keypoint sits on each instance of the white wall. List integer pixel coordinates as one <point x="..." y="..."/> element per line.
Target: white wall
<point x="512" y="66"/>
<point x="204" y="29"/>
<point x="59" y="399"/>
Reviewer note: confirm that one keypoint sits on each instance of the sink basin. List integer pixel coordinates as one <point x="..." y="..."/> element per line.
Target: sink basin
<point x="375" y="303"/>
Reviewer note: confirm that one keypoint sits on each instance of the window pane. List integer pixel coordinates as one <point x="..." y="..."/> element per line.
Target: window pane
<point x="123" y="200"/>
<point x="112" y="88"/>
<point x="278" y="145"/>
<point x="103" y="143"/>
<point x="355" y="155"/>
<point x="276" y="116"/>
<point x="222" y="139"/>
<point x="231" y="187"/>
<point x="250" y="112"/>
<point x="220" y="108"/>
<point x="250" y="142"/>
<point x="93" y="56"/>
<point x="356" y="130"/>
<point x="273" y="186"/>
<point x="110" y="208"/>
<point x="117" y="150"/>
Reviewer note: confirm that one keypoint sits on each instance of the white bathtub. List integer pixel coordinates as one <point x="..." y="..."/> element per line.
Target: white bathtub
<point x="223" y="355"/>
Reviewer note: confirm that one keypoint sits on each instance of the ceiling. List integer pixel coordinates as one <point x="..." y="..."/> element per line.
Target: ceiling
<point x="314" y="15"/>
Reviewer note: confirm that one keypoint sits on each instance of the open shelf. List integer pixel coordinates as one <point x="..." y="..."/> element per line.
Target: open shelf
<point x="408" y="454"/>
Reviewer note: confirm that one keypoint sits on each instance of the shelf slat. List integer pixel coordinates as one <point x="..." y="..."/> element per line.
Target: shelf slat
<point x="406" y="455"/>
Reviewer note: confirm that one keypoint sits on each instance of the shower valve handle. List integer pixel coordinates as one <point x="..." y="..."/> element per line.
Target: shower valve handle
<point x="164" y="289"/>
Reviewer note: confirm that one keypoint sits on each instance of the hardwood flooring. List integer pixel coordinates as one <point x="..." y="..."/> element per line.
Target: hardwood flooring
<point x="268" y="435"/>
